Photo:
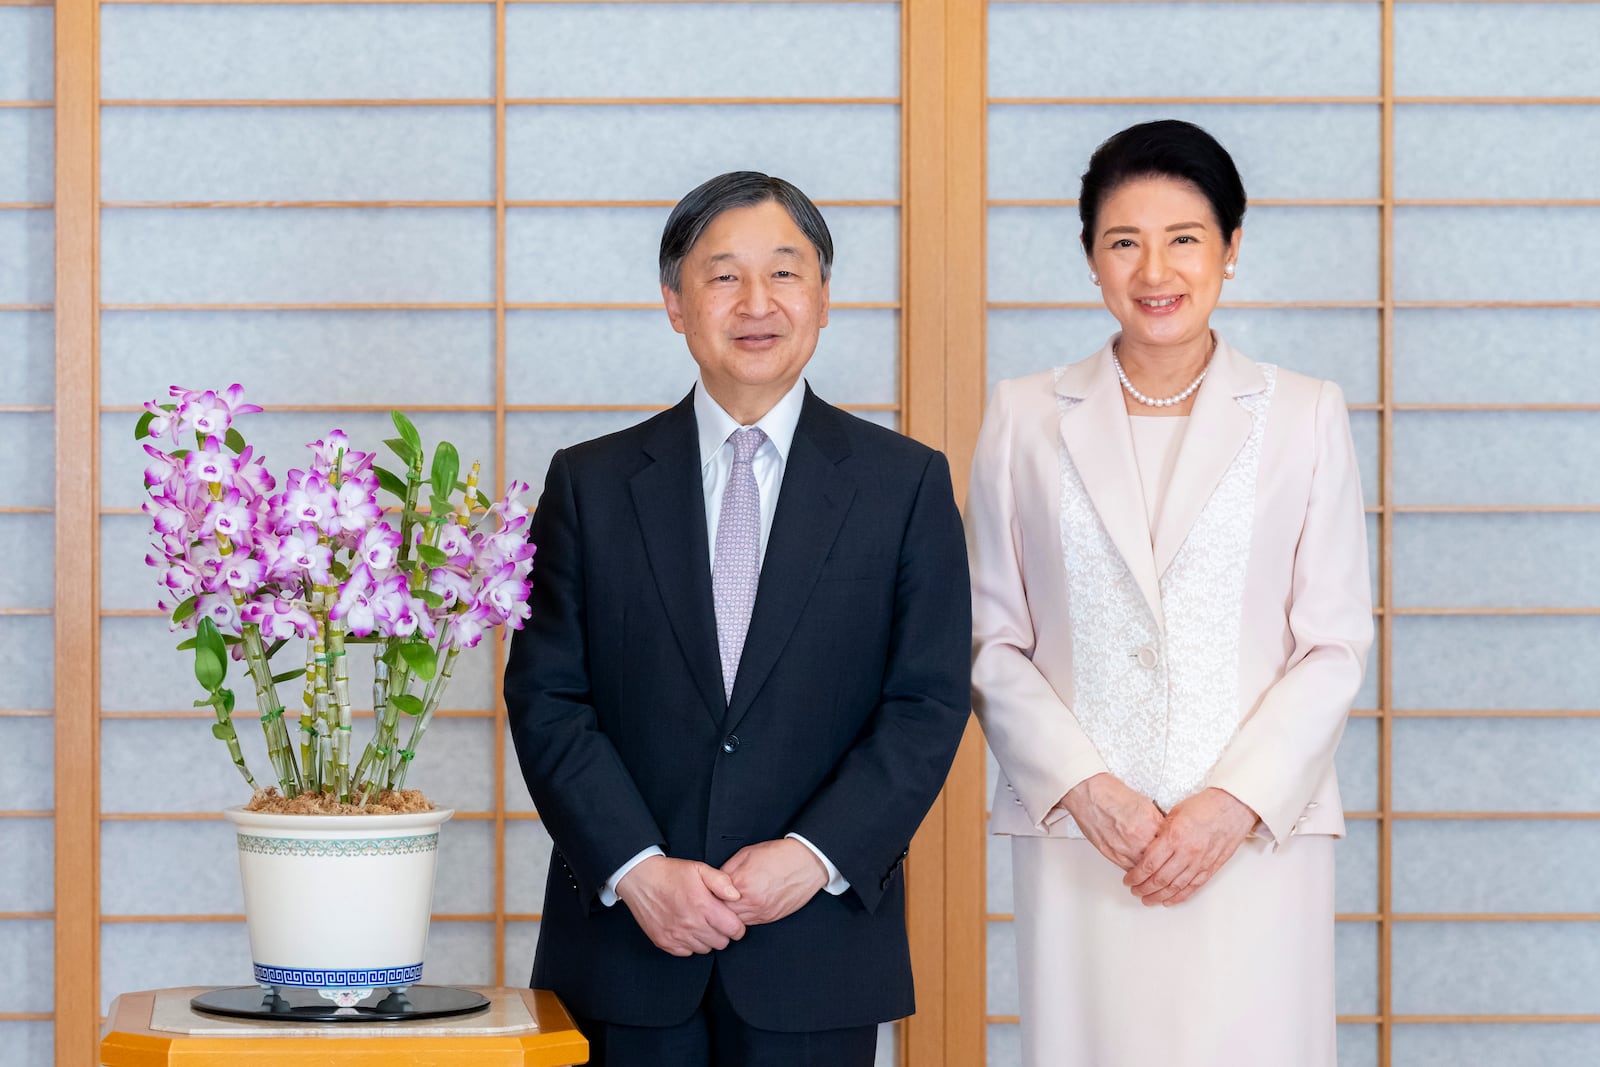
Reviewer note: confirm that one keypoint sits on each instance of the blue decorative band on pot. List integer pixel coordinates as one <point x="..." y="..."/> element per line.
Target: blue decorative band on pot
<point x="319" y="978"/>
<point x="338" y="848"/>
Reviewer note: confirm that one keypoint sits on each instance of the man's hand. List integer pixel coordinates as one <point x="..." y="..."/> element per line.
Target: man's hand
<point x="1118" y="821"/>
<point x="681" y="905"/>
<point x="774" y="879"/>
<point x="1199" y="836"/>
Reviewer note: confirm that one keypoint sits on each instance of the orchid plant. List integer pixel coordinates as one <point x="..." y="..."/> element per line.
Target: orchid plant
<point x="249" y="565"/>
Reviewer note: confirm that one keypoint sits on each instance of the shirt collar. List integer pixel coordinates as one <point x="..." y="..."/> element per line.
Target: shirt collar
<point x="716" y="425"/>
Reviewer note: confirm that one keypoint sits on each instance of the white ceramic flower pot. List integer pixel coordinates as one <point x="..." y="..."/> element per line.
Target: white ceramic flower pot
<point x="338" y="903"/>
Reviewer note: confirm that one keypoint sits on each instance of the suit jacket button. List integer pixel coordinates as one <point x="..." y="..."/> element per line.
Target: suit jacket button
<point x="730" y="744"/>
<point x="1147" y="657"/>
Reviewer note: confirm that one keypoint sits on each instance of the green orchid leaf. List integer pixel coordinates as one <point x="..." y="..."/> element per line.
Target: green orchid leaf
<point x="223" y="731"/>
<point x="483" y="499"/>
<point x="235" y="441"/>
<point x="208" y="669"/>
<point x="408" y="455"/>
<point x="141" y="429"/>
<point x="185" y="609"/>
<point x="390" y="482"/>
<point x="184" y="646"/>
<point x="430" y="598"/>
<point x="408" y="432"/>
<point x="422" y="659"/>
<point x="227" y="702"/>
<point x="287" y="676"/>
<point x="431" y="556"/>
<point x="407" y="703"/>
<point x="446" y="465"/>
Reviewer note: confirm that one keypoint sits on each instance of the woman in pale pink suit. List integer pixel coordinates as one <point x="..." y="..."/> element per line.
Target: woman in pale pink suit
<point x="1171" y="618"/>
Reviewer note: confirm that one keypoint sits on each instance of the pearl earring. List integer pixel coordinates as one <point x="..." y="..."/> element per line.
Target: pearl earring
<point x="1227" y="271"/>
<point x="1093" y="277"/>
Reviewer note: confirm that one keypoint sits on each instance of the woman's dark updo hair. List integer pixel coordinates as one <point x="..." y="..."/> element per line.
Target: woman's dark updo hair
<point x="1167" y="148"/>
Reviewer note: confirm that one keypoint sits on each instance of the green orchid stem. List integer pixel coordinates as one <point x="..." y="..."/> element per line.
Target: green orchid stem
<point x="341" y="711"/>
<point x="226" y="721"/>
<point x="279" y="750"/>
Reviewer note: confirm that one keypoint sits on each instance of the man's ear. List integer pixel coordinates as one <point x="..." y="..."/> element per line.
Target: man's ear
<point x="674" y="304"/>
<point x="823" y="320"/>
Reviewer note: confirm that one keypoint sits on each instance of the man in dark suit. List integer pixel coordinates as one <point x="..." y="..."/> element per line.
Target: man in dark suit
<point x="744" y="679"/>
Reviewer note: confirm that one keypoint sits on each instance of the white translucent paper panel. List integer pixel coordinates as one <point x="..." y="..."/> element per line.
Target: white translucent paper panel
<point x="355" y="51"/>
<point x="27" y="149"/>
<point x="1496" y="560"/>
<point x="1355" y="954"/>
<point x="324" y="153"/>
<point x="464" y="881"/>
<point x="1496" y="457"/>
<point x="28" y="784"/>
<point x="288" y="255"/>
<point x="1038" y="151"/>
<point x="831" y="152"/>
<point x="161" y="955"/>
<point x="27" y="1044"/>
<point x="27" y="543"/>
<point x="375" y="357"/>
<point x="177" y="766"/>
<point x="634" y="357"/>
<point x="1495" y="968"/>
<point x="1336" y="344"/>
<point x="1502" y="253"/>
<point x="27" y="373"/>
<point x="1288" y="254"/>
<point x="1496" y="49"/>
<point x="27" y="250"/>
<point x="1003" y="1045"/>
<point x="28" y="443"/>
<point x="27" y="964"/>
<point x="998" y="889"/>
<point x="1501" y="662"/>
<point x="27" y="37"/>
<point x="533" y="437"/>
<point x="1357" y="764"/>
<point x="1356" y="868"/>
<point x="521" y="941"/>
<point x="459" y="953"/>
<point x="282" y="438"/>
<point x="1531" y="1044"/>
<point x="1097" y="50"/>
<point x="651" y="50"/>
<point x="1358" y="1045"/>
<point x="1495" y="151"/>
<point x="1533" y="866"/>
<point x="1496" y="764"/>
<point x="560" y="255"/>
<point x="27" y="878"/>
<point x="27" y="665"/>
<point x="1496" y="356"/>
<point x="528" y="849"/>
<point x="1003" y="995"/>
<point x="170" y="868"/>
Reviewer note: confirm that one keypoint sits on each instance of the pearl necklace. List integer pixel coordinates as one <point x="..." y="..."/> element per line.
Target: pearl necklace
<point x="1152" y="402"/>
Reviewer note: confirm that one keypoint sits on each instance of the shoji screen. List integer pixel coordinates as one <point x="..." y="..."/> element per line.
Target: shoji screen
<point x="1431" y="253"/>
<point x="452" y="208"/>
<point x="27" y="534"/>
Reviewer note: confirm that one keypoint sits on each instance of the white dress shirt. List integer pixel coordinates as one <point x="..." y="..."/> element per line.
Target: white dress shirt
<point x="716" y="462"/>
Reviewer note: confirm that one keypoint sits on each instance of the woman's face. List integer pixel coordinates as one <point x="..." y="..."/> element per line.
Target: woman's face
<point x="1160" y="257"/>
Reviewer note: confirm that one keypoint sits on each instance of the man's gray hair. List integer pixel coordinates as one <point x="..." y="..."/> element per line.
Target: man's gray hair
<point x="740" y="188"/>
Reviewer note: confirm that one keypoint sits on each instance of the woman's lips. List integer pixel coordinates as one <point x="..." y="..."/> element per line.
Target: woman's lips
<point x="1160" y="305"/>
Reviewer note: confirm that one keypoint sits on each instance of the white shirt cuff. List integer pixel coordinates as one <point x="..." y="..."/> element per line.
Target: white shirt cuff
<point x="608" y="892"/>
<point x="836" y="881"/>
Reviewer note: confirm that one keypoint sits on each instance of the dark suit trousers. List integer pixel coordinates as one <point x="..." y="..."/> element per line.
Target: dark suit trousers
<point x="715" y="1036"/>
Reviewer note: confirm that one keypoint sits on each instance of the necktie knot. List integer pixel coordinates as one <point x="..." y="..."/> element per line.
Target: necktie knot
<point x="746" y="442"/>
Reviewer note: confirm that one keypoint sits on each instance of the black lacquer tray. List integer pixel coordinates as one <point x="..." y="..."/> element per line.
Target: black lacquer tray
<point x="288" y="1004"/>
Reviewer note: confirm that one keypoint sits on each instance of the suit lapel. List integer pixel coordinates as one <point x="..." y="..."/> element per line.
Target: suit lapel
<point x="811" y="508"/>
<point x="1098" y="439"/>
<point x="1218" y="427"/>
<point x="670" y="503"/>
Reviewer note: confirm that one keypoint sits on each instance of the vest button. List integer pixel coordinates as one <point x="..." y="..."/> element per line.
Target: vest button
<point x="730" y="744"/>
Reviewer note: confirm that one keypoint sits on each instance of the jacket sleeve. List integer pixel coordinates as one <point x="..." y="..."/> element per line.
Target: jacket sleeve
<point x="864" y="817"/>
<point x="585" y="796"/>
<point x="1284" y="750"/>
<point x="1041" y="748"/>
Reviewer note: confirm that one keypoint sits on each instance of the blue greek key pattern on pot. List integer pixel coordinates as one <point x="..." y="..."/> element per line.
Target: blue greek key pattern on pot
<point x="361" y="978"/>
<point x="338" y="848"/>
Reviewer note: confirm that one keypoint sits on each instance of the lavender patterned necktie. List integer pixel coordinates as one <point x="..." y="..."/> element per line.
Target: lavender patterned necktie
<point x="737" y="566"/>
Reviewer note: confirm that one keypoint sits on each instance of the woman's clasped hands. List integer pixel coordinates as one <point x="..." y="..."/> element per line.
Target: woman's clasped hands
<point x="1168" y="858"/>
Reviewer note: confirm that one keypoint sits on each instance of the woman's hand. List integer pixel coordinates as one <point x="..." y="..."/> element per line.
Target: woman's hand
<point x="1200" y="835"/>
<point x="1118" y="821"/>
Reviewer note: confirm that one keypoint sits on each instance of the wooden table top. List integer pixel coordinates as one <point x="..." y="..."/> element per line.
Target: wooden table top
<point x="534" y="1030"/>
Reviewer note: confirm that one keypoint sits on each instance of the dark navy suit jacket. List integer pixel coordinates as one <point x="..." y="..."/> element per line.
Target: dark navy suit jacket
<point x="850" y="701"/>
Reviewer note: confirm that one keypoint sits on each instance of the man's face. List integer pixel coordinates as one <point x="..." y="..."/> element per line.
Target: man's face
<point x="751" y="303"/>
